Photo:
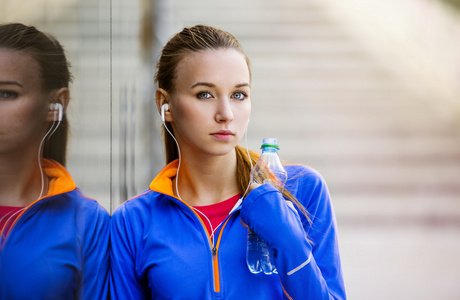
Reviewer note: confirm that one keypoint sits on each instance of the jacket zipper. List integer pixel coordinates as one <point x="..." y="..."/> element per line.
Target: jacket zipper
<point x="214" y="248"/>
<point x="214" y="257"/>
<point x="215" y="269"/>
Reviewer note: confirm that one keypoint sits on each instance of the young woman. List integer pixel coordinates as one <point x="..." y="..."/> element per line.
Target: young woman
<point x="53" y="240"/>
<point x="184" y="238"/>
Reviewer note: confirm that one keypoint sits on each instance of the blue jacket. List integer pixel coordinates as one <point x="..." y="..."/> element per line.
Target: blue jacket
<point x="160" y="248"/>
<point x="58" y="246"/>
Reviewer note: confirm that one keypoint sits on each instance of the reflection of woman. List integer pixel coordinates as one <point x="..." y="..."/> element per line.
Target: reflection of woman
<point x="183" y="237"/>
<point x="54" y="240"/>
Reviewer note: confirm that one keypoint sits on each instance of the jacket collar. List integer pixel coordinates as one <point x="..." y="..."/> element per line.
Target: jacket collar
<point x="162" y="183"/>
<point x="60" y="180"/>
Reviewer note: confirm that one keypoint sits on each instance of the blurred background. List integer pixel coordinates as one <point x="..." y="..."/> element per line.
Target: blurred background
<point x="367" y="92"/>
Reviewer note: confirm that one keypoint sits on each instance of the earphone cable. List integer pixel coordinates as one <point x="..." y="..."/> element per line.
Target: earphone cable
<point x="39" y="156"/>
<point x="178" y="167"/>
<point x="54" y="130"/>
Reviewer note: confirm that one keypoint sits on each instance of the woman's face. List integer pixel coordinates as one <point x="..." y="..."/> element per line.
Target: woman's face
<point x="210" y="105"/>
<point x="23" y="104"/>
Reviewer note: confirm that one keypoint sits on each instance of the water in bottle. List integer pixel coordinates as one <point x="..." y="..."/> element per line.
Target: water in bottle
<point x="268" y="169"/>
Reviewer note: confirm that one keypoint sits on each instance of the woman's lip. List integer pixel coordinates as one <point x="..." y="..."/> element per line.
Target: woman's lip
<point x="223" y="135"/>
<point x="223" y="132"/>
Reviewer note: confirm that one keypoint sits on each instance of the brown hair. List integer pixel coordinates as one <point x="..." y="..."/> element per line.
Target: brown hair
<point x="192" y="40"/>
<point x="54" y="73"/>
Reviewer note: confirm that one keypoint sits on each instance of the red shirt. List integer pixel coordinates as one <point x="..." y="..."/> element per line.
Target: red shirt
<point x="7" y="214"/>
<point x="216" y="213"/>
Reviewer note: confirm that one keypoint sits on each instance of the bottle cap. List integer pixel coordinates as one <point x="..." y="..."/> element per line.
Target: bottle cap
<point x="270" y="142"/>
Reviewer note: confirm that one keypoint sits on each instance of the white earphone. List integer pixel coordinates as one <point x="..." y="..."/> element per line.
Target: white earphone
<point x="164" y="107"/>
<point x="57" y="107"/>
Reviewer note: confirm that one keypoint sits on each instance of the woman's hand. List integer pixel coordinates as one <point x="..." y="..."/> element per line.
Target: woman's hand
<point x="256" y="185"/>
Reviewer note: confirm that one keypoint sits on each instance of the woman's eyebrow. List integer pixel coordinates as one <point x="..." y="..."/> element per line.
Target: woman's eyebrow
<point x="242" y="85"/>
<point x="212" y="85"/>
<point x="207" y="84"/>
<point x="11" y="83"/>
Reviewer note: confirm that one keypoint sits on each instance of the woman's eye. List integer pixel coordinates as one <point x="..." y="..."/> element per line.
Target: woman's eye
<point x="8" y="94"/>
<point x="204" y="95"/>
<point x="239" y="96"/>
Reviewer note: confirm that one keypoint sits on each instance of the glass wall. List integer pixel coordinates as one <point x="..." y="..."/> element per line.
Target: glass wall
<point x="112" y="115"/>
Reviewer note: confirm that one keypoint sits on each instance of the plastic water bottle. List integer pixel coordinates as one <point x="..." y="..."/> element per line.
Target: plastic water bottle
<point x="268" y="169"/>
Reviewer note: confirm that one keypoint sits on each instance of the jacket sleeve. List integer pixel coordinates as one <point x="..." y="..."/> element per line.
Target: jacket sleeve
<point x="307" y="270"/>
<point x="124" y="282"/>
<point x="94" y="283"/>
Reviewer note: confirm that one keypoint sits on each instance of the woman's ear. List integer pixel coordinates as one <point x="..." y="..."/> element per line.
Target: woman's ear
<point x="162" y="100"/>
<point x="56" y="112"/>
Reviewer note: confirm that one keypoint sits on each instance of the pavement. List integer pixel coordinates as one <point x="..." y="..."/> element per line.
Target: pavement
<point x="390" y="156"/>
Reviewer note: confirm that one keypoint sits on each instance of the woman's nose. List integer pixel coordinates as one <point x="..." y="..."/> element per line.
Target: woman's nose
<point x="224" y="111"/>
